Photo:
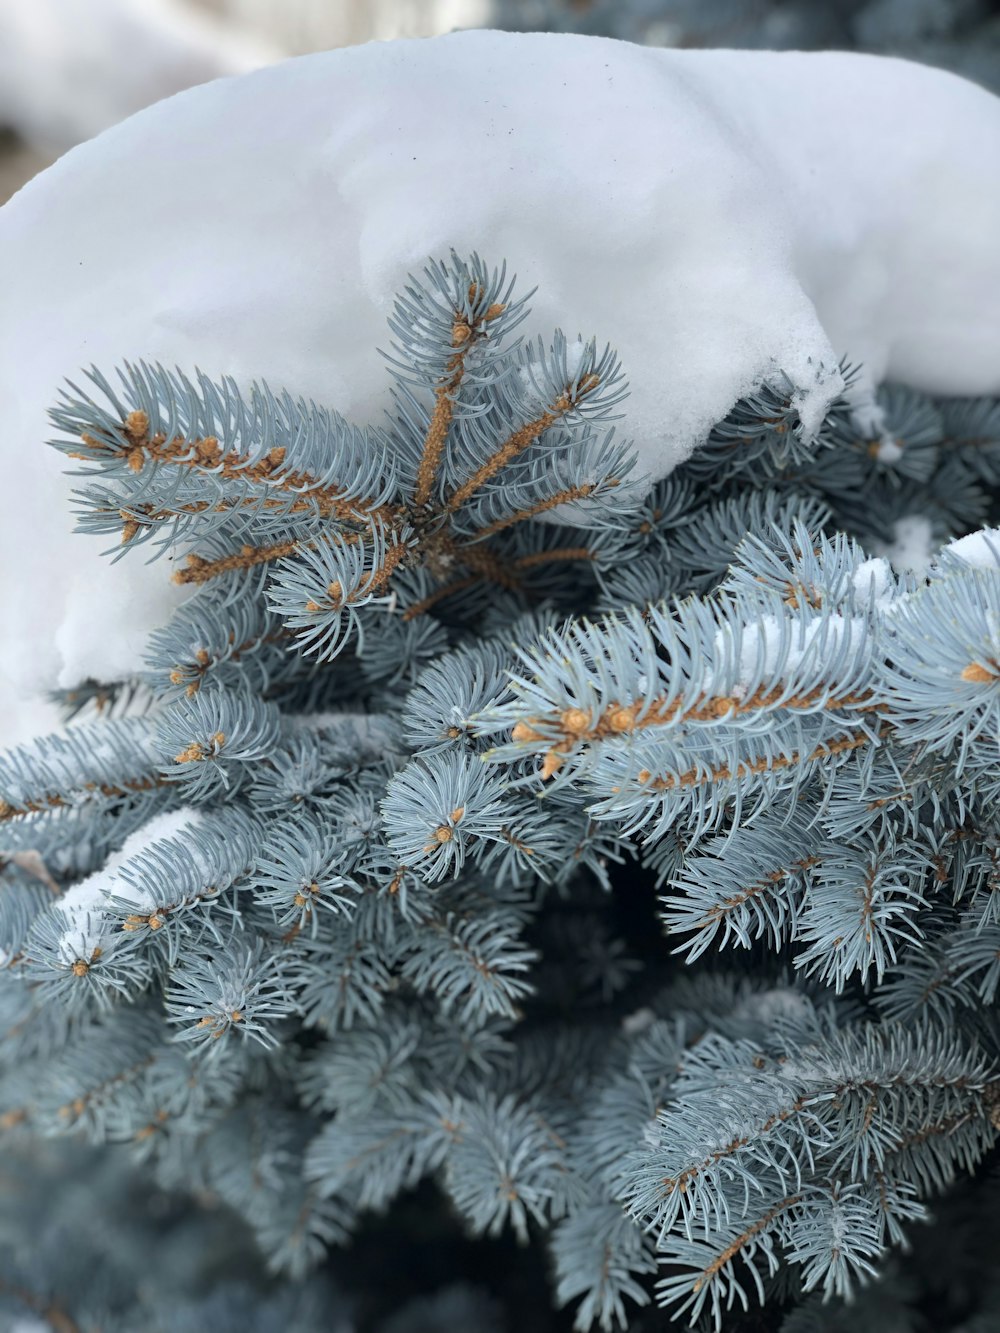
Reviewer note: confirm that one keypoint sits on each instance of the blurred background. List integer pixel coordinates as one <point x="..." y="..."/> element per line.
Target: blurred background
<point x="71" y="68"/>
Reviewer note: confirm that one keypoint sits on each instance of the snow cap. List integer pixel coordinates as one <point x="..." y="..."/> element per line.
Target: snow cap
<point x="716" y="216"/>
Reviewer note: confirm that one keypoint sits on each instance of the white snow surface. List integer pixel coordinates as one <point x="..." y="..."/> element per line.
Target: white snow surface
<point x="912" y="548"/>
<point x="715" y="215"/>
<point x="83" y="903"/>
<point x="981" y="549"/>
<point x="771" y="647"/>
<point x="873" y="579"/>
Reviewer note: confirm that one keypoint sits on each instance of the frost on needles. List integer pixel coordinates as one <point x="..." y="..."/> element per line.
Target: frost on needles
<point x="325" y="902"/>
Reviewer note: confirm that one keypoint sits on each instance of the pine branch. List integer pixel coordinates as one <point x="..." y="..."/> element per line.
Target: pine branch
<point x="526" y="435"/>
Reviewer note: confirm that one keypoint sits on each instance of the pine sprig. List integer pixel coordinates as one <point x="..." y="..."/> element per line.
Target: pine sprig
<point x="329" y="900"/>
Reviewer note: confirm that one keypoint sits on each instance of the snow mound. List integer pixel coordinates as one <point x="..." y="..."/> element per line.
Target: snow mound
<point x="714" y="215"/>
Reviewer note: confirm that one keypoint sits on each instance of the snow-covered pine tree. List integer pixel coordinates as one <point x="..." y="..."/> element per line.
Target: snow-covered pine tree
<point x="345" y="891"/>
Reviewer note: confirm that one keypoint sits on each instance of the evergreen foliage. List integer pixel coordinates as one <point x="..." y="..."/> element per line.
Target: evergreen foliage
<point x="330" y="901"/>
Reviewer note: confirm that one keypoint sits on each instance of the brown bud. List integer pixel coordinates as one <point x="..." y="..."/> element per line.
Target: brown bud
<point x="575" y="721"/>
<point x="137" y="424"/>
<point x="621" y="718"/>
<point x="977" y="674"/>
<point x="523" y="731"/>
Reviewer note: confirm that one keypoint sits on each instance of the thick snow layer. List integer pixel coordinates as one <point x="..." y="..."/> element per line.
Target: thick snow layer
<point x="83" y="905"/>
<point x="714" y="215"/>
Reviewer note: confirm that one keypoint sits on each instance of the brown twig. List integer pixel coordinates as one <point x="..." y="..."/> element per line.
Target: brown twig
<point x="519" y="441"/>
<point x="438" y="595"/>
<point x="696" y="777"/>
<point x="463" y="336"/>
<point x="733" y="1249"/>
<point x="48" y="802"/>
<point x="206" y="454"/>
<point x="199" y="570"/>
<point x="620" y="719"/>
<point x="566" y="496"/>
<point x="547" y="557"/>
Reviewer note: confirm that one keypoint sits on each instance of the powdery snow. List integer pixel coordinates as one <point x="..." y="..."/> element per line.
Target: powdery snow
<point x="981" y="548"/>
<point x="761" y="647"/>
<point x="873" y="579"/>
<point x="83" y="904"/>
<point x="773" y="648"/>
<point x="912" y="547"/>
<point x="714" y="215"/>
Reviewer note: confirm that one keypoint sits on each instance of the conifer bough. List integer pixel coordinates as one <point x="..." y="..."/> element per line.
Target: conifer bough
<point x="326" y="901"/>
